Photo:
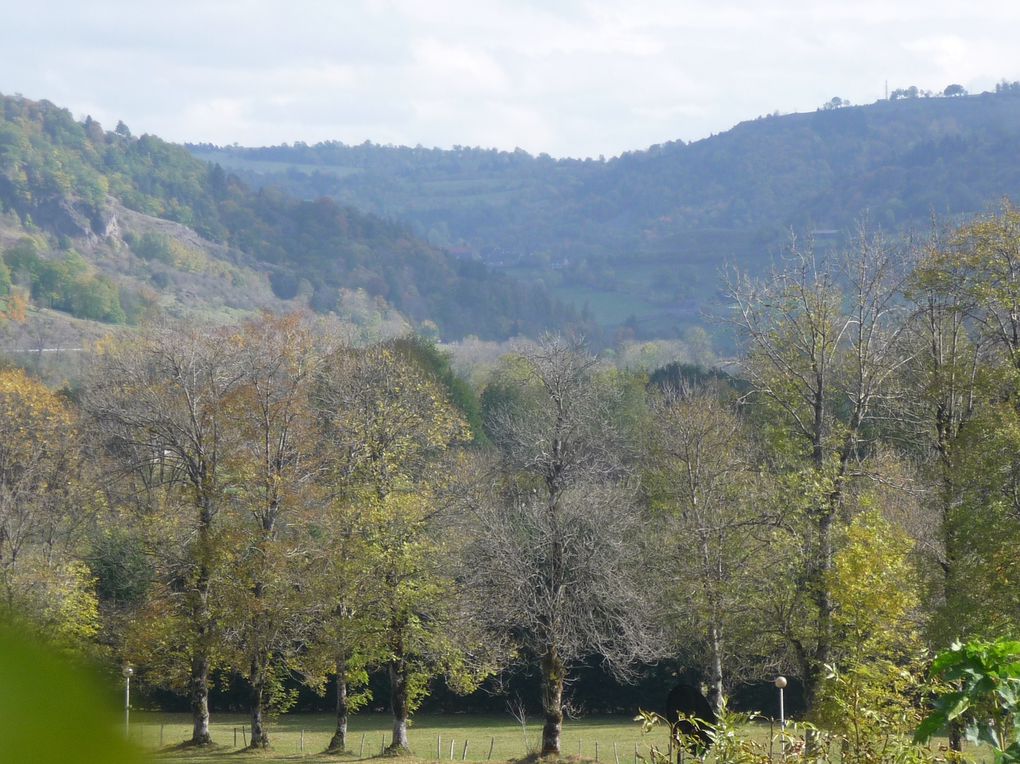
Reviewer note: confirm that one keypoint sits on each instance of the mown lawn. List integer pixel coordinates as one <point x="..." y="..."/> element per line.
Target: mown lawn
<point x="428" y="735"/>
<point x="302" y="737"/>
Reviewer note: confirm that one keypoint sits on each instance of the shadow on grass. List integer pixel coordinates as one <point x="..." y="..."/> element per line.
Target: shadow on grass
<point x="535" y="758"/>
<point x="193" y="750"/>
<point x="188" y="752"/>
<point x="217" y="752"/>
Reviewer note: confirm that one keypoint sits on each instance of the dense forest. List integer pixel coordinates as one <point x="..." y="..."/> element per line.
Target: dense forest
<point x="266" y="504"/>
<point x="643" y="236"/>
<point x="64" y="182"/>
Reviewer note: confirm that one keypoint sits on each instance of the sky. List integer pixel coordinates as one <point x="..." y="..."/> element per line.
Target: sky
<point x="569" y="78"/>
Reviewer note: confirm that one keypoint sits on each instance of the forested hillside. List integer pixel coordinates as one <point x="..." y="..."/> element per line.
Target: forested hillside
<point x="81" y="204"/>
<point x="643" y="235"/>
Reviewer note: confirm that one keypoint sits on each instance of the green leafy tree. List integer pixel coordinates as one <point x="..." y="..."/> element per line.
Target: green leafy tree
<point x="946" y="358"/>
<point x="976" y="420"/>
<point x="350" y="638"/>
<point x="5" y="278"/>
<point x="869" y="695"/>
<point x="68" y="283"/>
<point x="391" y="431"/>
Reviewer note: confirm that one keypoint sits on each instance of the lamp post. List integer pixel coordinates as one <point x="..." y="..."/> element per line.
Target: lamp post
<point x="127" y="671"/>
<point x="780" y="684"/>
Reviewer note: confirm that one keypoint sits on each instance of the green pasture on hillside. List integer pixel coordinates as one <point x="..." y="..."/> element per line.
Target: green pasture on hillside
<point x="268" y="166"/>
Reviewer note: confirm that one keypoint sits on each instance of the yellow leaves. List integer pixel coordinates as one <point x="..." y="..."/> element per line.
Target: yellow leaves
<point x="387" y="419"/>
<point x="14" y="306"/>
<point x="867" y="696"/>
<point x="35" y="431"/>
<point x="76" y="607"/>
<point x="57" y="599"/>
<point x="15" y="384"/>
<point x="874" y="585"/>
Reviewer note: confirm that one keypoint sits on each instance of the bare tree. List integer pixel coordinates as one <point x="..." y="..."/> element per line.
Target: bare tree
<point x="823" y="354"/>
<point x="557" y="544"/>
<point x="703" y="487"/>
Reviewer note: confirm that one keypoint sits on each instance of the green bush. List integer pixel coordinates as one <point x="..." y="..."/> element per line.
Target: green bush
<point x="983" y="693"/>
<point x="66" y="284"/>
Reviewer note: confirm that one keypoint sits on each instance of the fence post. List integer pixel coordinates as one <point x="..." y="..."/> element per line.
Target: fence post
<point x="244" y="736"/>
<point x="361" y="753"/>
<point x="452" y="743"/>
<point x="439" y="747"/>
<point x="463" y="755"/>
<point x="161" y="736"/>
<point x="616" y="753"/>
<point x="596" y="750"/>
<point x="492" y="742"/>
<point x="302" y="740"/>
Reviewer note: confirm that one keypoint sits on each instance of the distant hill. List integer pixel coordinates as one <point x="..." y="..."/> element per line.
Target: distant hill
<point x="110" y="227"/>
<point x="640" y="238"/>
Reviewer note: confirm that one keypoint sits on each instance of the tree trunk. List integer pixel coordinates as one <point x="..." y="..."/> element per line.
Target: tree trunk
<point x="812" y="659"/>
<point x="715" y="679"/>
<point x="399" y="705"/>
<point x="821" y="655"/>
<point x="714" y="578"/>
<point x="200" y="661"/>
<point x="201" y="621"/>
<point x="956" y="735"/>
<point x="259" y="736"/>
<point x="949" y="547"/>
<point x="199" y="693"/>
<point x="553" y="674"/>
<point x="339" y="742"/>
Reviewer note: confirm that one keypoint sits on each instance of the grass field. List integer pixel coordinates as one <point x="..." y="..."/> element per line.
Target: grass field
<point x="302" y="737"/>
<point x="428" y="735"/>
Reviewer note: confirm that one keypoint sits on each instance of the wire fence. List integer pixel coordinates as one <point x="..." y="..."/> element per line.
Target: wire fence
<point x="615" y="740"/>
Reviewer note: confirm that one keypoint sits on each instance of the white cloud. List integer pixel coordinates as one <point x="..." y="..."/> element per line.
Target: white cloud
<point x="447" y="68"/>
<point x="571" y="77"/>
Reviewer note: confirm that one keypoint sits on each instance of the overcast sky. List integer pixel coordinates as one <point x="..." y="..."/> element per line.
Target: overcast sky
<point x="571" y="78"/>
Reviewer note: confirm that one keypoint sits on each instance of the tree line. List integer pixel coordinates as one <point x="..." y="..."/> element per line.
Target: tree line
<point x="269" y="501"/>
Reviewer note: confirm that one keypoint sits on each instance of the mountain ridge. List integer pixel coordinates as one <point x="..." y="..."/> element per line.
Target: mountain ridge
<point x="641" y="237"/>
<point x="61" y="182"/>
